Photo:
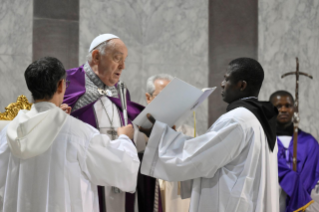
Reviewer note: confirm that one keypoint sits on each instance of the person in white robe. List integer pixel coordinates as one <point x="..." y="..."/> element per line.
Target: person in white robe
<point x="50" y="161"/>
<point x="170" y="191"/>
<point x="233" y="165"/>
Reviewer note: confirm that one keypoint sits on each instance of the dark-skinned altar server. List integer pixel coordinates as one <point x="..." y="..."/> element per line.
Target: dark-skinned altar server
<point x="232" y="164"/>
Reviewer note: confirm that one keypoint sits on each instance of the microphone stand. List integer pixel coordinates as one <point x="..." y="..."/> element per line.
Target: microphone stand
<point x="122" y="92"/>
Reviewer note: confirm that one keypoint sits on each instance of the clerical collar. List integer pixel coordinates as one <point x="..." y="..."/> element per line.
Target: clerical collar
<point x="289" y="130"/>
<point x="93" y="77"/>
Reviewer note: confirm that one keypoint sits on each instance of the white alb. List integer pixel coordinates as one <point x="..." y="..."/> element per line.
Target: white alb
<point x="232" y="167"/>
<point x="50" y="161"/>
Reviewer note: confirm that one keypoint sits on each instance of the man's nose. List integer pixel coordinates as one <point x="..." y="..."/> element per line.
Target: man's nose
<point x="222" y="84"/>
<point x="283" y="109"/>
<point x="122" y="65"/>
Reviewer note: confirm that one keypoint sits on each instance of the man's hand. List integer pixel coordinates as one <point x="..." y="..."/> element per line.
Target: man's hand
<point x="126" y="130"/>
<point x="66" y="108"/>
<point x="148" y="132"/>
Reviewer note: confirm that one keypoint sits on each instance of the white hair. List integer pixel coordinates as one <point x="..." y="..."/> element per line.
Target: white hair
<point x="150" y="87"/>
<point x="102" y="48"/>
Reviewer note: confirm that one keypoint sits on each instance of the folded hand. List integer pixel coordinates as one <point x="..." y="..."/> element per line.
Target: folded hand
<point x="66" y="108"/>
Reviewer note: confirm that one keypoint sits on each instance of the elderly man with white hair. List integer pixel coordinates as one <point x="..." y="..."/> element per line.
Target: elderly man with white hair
<point x="93" y="96"/>
<point x="170" y="191"/>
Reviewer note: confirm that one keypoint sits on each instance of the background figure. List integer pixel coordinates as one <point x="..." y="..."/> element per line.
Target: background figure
<point x="50" y="161"/>
<point x="170" y="191"/>
<point x="232" y="163"/>
<point x="93" y="96"/>
<point x="296" y="186"/>
<point x="154" y="85"/>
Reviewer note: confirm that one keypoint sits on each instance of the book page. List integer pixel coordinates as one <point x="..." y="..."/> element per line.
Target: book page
<point x="176" y="99"/>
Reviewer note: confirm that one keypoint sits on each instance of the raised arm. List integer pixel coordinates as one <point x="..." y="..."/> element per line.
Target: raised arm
<point x="170" y="156"/>
<point x="112" y="162"/>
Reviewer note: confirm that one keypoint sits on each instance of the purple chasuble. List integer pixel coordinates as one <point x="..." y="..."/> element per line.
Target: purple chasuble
<point x="75" y="90"/>
<point x="298" y="185"/>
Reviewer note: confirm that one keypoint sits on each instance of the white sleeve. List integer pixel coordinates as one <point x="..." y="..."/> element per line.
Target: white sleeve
<point x="314" y="207"/>
<point x="170" y="156"/>
<point x="4" y="161"/>
<point x="111" y="162"/>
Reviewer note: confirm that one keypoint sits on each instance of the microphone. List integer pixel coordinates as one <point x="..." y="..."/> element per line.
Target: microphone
<point x="122" y="92"/>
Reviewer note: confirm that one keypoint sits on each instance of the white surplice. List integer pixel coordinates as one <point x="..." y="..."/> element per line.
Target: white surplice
<point x="170" y="191"/>
<point x="231" y="164"/>
<point x="314" y="207"/>
<point x="50" y="161"/>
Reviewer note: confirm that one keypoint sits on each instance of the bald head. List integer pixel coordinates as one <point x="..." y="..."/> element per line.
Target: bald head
<point x="155" y="84"/>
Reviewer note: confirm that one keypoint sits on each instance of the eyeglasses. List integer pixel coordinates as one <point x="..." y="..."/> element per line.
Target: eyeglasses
<point x="67" y="83"/>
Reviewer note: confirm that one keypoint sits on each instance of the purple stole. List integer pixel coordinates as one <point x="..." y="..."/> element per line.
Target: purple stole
<point x="298" y="185"/>
<point x="146" y="186"/>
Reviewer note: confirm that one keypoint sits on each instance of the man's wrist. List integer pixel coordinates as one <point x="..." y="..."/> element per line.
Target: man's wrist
<point x="123" y="136"/>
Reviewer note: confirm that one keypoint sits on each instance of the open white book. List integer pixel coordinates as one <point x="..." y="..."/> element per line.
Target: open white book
<point x="172" y="103"/>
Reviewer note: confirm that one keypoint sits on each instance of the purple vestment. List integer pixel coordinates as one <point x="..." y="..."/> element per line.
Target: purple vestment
<point x="298" y="185"/>
<point x="76" y="88"/>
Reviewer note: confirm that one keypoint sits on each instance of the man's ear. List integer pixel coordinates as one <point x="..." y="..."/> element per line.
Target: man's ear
<point x="148" y="98"/>
<point x="60" y="86"/>
<point x="95" y="56"/>
<point x="242" y="85"/>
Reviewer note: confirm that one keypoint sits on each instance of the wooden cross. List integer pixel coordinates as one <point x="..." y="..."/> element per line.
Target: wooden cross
<point x="296" y="110"/>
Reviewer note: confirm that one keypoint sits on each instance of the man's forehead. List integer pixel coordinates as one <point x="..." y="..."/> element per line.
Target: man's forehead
<point x="120" y="48"/>
<point x="228" y="73"/>
<point x="285" y="98"/>
<point x="161" y="81"/>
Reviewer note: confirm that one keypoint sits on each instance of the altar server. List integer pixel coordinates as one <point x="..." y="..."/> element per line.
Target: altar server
<point x="50" y="161"/>
<point x="232" y="164"/>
